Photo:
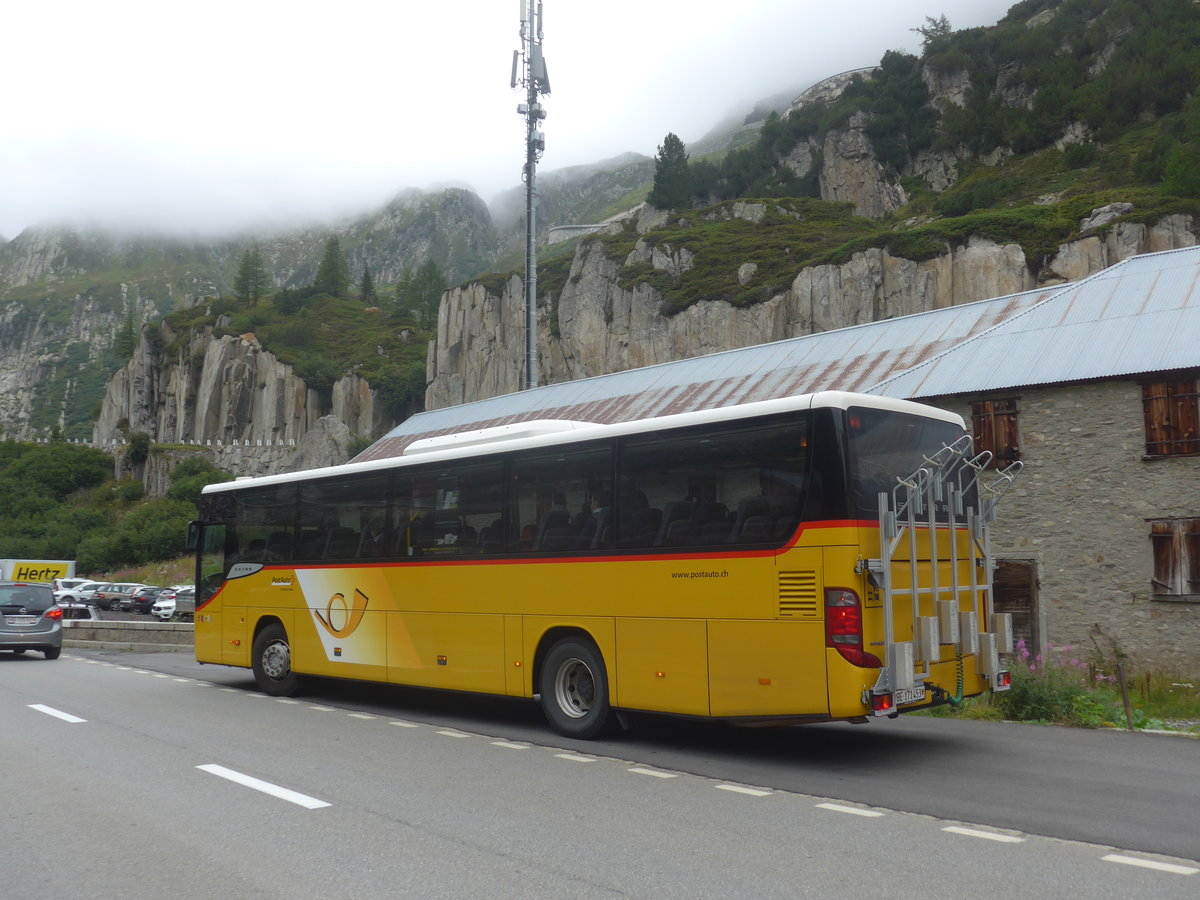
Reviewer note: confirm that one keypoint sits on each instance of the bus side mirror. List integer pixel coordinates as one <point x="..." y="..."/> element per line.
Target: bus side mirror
<point x="193" y="537"/>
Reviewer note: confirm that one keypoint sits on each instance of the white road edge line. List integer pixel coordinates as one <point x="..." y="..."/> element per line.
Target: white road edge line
<point x="265" y="786"/>
<point x="57" y="713"/>
<point x="575" y="757"/>
<point x="1150" y="864"/>
<point x="450" y="732"/>
<point x="852" y="810"/>
<point x="986" y="835"/>
<point x="509" y="745"/>
<point x="739" y="789"/>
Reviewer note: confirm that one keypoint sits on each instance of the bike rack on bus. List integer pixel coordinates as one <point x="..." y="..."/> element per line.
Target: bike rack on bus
<point x="945" y="485"/>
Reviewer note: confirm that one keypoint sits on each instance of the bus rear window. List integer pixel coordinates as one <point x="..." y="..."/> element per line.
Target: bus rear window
<point x="886" y="446"/>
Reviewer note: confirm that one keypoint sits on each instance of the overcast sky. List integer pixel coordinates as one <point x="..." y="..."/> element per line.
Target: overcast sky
<point x="227" y="114"/>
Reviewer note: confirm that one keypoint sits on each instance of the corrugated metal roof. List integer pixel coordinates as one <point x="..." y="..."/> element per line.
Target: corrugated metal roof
<point x="1140" y="315"/>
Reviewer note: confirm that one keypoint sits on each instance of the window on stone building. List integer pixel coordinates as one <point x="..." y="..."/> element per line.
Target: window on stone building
<point x="995" y="426"/>
<point x="1176" y="544"/>
<point x="1172" y="417"/>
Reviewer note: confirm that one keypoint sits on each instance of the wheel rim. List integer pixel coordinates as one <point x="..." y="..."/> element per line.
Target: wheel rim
<point x="575" y="688"/>
<point x="277" y="660"/>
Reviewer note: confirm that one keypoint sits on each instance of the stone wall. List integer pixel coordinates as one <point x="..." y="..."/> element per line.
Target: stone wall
<point x="1079" y="510"/>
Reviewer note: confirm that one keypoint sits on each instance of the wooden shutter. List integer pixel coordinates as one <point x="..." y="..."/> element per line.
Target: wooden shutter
<point x="1172" y="417"/>
<point x="995" y="428"/>
<point x="1166" y="557"/>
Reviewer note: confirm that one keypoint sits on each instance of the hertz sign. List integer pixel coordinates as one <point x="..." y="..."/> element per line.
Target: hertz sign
<point x="36" y="569"/>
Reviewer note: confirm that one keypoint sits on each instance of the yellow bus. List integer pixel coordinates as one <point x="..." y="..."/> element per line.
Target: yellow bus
<point x="812" y="558"/>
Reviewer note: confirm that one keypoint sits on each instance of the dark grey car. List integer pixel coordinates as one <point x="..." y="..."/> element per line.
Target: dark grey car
<point x="30" y="619"/>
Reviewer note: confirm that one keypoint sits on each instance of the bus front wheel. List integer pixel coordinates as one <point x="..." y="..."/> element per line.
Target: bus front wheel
<point x="272" y="660"/>
<point x="574" y="689"/>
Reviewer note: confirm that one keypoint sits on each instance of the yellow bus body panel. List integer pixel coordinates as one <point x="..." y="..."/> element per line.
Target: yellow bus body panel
<point x="663" y="665"/>
<point x="767" y="668"/>
<point x="719" y="635"/>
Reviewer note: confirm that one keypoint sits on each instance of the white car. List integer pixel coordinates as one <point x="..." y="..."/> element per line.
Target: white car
<point x="164" y="608"/>
<point x="75" y="590"/>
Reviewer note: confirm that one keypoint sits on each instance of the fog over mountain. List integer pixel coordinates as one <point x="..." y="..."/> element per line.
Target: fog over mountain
<point x="237" y="116"/>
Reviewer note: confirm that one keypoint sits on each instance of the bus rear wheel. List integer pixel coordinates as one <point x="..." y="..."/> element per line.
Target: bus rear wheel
<point x="272" y="661"/>
<point x="574" y="689"/>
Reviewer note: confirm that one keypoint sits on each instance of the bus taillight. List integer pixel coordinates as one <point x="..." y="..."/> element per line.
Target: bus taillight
<point x="844" y="627"/>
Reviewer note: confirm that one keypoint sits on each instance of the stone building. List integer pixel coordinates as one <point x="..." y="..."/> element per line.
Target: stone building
<point x="1094" y="389"/>
<point x="1092" y="385"/>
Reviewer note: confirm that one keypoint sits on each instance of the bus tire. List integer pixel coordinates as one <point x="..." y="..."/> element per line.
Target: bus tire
<point x="574" y="689"/>
<point x="272" y="661"/>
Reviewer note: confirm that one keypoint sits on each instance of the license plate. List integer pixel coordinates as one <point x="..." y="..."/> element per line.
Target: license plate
<point x="908" y="695"/>
<point x="21" y="620"/>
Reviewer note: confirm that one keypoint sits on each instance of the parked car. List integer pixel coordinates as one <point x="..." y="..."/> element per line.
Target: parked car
<point x="80" y="592"/>
<point x="71" y="610"/>
<point x="182" y="605"/>
<point x="185" y="604"/>
<point x="111" y="596"/>
<point x="143" y="598"/>
<point x="30" y="619"/>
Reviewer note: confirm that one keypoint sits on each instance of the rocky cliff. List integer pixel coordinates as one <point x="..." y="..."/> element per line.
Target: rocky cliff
<point x="72" y="301"/>
<point x="223" y="392"/>
<point x="597" y="326"/>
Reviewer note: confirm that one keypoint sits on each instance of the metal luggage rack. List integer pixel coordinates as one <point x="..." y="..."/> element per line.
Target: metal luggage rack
<point x="948" y="494"/>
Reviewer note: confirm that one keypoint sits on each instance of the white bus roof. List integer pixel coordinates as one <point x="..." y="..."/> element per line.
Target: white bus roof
<point x="549" y="433"/>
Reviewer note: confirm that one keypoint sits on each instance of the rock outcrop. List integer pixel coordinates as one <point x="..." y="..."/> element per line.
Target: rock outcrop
<point x="603" y="327"/>
<point x="227" y="392"/>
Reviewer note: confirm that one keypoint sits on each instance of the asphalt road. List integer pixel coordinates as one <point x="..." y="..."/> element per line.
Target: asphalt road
<point x="128" y="776"/>
<point x="1133" y="791"/>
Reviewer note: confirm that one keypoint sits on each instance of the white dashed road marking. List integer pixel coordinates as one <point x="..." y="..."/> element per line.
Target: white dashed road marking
<point x="852" y="810"/>
<point x="1150" y="864"/>
<point x="57" y="713"/>
<point x="265" y="786"/>
<point x="575" y="757"/>
<point x="986" y="835"/>
<point x="739" y="789"/>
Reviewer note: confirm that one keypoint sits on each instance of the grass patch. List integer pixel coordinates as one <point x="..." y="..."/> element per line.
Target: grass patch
<point x="1080" y="687"/>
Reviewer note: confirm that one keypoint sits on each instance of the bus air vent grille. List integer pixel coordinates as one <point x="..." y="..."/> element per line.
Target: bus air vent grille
<point x="798" y="595"/>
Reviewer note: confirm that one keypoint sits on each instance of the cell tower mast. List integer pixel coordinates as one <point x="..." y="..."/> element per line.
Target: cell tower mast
<point x="529" y="72"/>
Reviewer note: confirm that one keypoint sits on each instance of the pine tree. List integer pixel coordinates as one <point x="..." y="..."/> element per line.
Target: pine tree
<point x="932" y="30"/>
<point x="367" y="287"/>
<point x="126" y="338"/>
<point x="333" y="274"/>
<point x="252" y="280"/>
<point x="421" y="292"/>
<point x="672" y="182"/>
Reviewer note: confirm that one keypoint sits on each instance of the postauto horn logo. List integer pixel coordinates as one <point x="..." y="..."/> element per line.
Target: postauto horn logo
<point x="341" y="619"/>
